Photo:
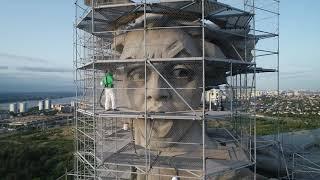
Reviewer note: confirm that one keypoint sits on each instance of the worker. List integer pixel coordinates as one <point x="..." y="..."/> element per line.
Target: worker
<point x="175" y="178"/>
<point x="107" y="83"/>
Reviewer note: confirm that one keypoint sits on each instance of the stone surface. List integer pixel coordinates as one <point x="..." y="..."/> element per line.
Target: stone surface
<point x="185" y="76"/>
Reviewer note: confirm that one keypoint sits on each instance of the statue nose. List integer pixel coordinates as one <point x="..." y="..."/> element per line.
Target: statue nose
<point x="155" y="87"/>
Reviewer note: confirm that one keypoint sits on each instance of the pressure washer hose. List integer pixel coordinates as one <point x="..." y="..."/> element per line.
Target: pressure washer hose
<point x="101" y="105"/>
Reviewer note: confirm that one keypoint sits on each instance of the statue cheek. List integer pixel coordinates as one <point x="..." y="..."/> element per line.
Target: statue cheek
<point x="194" y="94"/>
<point x="135" y="96"/>
<point x="136" y="99"/>
<point x="162" y="127"/>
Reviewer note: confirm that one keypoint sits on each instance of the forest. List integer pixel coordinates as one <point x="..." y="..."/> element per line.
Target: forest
<point x="36" y="154"/>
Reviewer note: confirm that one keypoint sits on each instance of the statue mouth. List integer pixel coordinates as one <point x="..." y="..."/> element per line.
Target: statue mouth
<point x="160" y="129"/>
<point x="167" y="106"/>
<point x="163" y="107"/>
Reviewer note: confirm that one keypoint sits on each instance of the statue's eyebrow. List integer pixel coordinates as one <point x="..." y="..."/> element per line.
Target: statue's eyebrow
<point x="133" y="67"/>
<point x="175" y="48"/>
<point x="182" y="53"/>
<point x="129" y="57"/>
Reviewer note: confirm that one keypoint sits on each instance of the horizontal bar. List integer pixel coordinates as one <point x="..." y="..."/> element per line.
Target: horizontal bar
<point x="261" y="50"/>
<point x="261" y="9"/>
<point x="135" y="4"/>
<point x="267" y="54"/>
<point x="233" y="61"/>
<point x="184" y="59"/>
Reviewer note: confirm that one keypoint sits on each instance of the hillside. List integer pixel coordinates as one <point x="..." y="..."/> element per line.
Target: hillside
<point x="36" y="154"/>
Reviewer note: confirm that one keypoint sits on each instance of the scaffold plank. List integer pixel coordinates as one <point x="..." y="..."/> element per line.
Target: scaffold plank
<point x="186" y="115"/>
<point x="108" y="17"/>
<point x="102" y="64"/>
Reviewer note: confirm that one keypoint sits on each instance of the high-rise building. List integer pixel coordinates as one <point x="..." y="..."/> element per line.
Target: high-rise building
<point x="41" y="105"/>
<point x="47" y="104"/>
<point x="23" y="107"/>
<point x="13" y="107"/>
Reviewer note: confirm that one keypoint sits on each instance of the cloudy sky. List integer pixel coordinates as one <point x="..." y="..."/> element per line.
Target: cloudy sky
<point x="36" y="46"/>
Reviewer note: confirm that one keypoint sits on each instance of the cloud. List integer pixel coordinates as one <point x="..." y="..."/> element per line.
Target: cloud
<point x="27" y="81"/>
<point x="4" y="67"/>
<point x="44" y="69"/>
<point x="24" y="58"/>
<point x="20" y="85"/>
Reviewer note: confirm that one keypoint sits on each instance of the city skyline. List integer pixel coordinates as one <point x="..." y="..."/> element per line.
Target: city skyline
<point x="36" y="53"/>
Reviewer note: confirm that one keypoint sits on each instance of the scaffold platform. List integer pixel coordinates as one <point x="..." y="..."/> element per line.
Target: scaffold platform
<point x="184" y="115"/>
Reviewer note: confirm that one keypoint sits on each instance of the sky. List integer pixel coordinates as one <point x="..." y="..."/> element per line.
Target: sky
<point x="36" y="46"/>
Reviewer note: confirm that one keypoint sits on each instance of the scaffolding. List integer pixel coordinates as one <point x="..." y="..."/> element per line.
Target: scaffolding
<point x="303" y="166"/>
<point x="167" y="57"/>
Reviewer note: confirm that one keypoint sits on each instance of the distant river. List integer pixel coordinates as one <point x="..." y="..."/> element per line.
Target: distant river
<point x="33" y="103"/>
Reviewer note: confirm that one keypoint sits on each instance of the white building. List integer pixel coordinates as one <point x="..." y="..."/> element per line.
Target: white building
<point x="22" y="107"/>
<point x="296" y="93"/>
<point x="47" y="104"/>
<point x="214" y="97"/>
<point x="13" y="107"/>
<point x="41" y="105"/>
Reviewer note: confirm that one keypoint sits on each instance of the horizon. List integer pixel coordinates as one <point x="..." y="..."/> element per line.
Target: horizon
<point x="37" y="54"/>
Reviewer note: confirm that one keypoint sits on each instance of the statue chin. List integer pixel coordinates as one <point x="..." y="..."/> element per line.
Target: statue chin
<point x="160" y="132"/>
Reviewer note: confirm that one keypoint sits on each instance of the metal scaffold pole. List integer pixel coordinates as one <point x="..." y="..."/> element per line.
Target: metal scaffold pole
<point x="203" y="91"/>
<point x="145" y="85"/>
<point x="254" y="97"/>
<point x="93" y="89"/>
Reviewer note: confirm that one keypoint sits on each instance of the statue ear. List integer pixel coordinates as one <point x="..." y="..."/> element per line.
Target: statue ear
<point x="118" y="41"/>
<point x="212" y="50"/>
<point x="215" y="75"/>
<point x="215" y="71"/>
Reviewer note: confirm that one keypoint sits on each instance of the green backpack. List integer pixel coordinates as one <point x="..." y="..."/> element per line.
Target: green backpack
<point x="108" y="80"/>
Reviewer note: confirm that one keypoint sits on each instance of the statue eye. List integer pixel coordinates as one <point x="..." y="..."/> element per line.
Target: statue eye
<point x="181" y="72"/>
<point x="136" y="74"/>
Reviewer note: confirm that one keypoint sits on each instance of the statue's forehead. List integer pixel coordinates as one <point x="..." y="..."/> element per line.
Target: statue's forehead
<point x="159" y="44"/>
<point x="156" y="36"/>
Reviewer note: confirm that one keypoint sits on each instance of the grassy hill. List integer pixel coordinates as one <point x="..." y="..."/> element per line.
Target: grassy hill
<point x="36" y="154"/>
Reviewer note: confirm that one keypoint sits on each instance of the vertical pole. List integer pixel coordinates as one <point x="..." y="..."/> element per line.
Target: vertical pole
<point x="278" y="63"/>
<point x="255" y="126"/>
<point x="240" y="90"/>
<point x="101" y="138"/>
<point x="66" y="174"/>
<point x="254" y="96"/>
<point x="236" y="93"/>
<point x="75" y="44"/>
<point x="203" y="92"/>
<point x="246" y="89"/>
<point x="145" y="85"/>
<point x="278" y="99"/>
<point x="94" y="89"/>
<point x="231" y="91"/>
<point x="210" y="102"/>
<point x="116" y="141"/>
<point x="240" y="105"/>
<point x="293" y="171"/>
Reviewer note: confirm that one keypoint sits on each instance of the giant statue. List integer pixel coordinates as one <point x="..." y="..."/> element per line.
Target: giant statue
<point x="179" y="138"/>
<point x="171" y="137"/>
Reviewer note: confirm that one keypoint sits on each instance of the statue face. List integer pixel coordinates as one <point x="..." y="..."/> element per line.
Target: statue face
<point x="185" y="77"/>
